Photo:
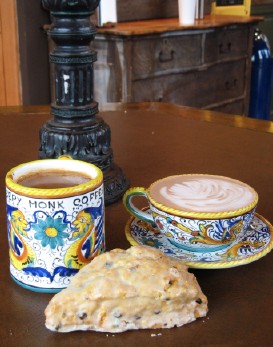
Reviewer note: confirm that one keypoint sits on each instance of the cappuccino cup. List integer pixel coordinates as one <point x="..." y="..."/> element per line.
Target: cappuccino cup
<point x="196" y="212"/>
<point x="55" y="218"/>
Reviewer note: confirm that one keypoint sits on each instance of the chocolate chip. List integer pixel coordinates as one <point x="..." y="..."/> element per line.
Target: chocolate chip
<point x="82" y="315"/>
<point x="57" y="327"/>
<point x="117" y="315"/>
<point x="198" y="301"/>
<point x="108" y="265"/>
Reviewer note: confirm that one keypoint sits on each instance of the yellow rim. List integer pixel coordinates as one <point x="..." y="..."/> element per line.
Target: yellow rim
<point x="54" y="193"/>
<point x="203" y="215"/>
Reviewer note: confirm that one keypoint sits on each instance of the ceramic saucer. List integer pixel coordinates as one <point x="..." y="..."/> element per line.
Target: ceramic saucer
<point x="256" y="243"/>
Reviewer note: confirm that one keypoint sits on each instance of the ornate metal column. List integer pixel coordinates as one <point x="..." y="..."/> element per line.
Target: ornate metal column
<point x="75" y="128"/>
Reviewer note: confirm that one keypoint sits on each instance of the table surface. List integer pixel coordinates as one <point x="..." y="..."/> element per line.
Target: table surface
<point x="151" y="141"/>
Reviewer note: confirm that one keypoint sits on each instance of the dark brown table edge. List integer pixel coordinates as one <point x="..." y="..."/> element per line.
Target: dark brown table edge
<point x="177" y="110"/>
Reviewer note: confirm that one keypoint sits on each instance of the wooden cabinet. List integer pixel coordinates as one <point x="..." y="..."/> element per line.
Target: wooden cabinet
<point x="206" y="65"/>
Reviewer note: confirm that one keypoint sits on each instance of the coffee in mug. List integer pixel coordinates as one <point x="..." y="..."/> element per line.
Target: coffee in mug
<point x="197" y="212"/>
<point x="53" y="179"/>
<point x="55" y="217"/>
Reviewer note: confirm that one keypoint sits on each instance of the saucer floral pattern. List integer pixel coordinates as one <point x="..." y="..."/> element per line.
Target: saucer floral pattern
<point x="256" y="243"/>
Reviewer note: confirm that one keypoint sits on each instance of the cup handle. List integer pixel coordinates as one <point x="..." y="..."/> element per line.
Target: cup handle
<point x="131" y="208"/>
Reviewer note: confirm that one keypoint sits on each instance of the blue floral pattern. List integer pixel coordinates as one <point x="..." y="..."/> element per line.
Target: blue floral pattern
<point x="254" y="244"/>
<point x="50" y="231"/>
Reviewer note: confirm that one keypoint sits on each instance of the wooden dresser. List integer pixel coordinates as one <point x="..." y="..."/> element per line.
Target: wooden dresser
<point x="207" y="65"/>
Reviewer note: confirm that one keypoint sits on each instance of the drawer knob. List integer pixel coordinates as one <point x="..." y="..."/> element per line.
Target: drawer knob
<point x="166" y="53"/>
<point x="165" y="57"/>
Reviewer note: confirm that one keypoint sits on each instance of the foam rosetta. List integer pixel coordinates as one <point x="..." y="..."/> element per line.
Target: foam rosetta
<point x="202" y="193"/>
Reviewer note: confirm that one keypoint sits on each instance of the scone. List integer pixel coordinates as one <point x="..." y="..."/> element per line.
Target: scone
<point x="137" y="288"/>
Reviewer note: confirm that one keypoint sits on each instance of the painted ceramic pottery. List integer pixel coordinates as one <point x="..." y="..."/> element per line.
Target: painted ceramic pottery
<point x="197" y="212"/>
<point x="53" y="233"/>
<point x="255" y="244"/>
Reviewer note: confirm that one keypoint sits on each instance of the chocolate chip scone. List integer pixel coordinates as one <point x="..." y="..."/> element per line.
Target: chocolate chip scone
<point x="137" y="288"/>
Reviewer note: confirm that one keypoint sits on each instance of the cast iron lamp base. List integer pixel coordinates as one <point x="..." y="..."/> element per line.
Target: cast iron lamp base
<point x="76" y="129"/>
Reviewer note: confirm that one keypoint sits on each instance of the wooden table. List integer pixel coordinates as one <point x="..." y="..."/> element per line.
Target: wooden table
<point x="152" y="141"/>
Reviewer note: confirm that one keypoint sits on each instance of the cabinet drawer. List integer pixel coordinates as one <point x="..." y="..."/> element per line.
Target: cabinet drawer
<point x="226" y="44"/>
<point x="198" y="89"/>
<point x="154" y="56"/>
<point x="106" y="50"/>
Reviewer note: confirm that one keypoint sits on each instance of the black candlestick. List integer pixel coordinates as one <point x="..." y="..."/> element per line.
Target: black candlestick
<point x="75" y="128"/>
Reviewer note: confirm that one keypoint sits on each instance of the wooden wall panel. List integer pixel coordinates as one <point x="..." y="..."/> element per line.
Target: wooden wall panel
<point x="129" y="10"/>
<point x="146" y="9"/>
<point x="33" y="47"/>
<point x="2" y="76"/>
<point x="10" y="93"/>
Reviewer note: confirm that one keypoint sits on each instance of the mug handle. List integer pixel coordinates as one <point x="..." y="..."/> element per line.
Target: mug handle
<point x="131" y="208"/>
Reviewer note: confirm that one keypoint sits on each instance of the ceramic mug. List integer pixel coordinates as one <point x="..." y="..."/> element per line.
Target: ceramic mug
<point x="55" y="217"/>
<point x="201" y="213"/>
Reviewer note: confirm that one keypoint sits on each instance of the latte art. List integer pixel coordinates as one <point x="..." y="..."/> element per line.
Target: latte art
<point x="202" y="193"/>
